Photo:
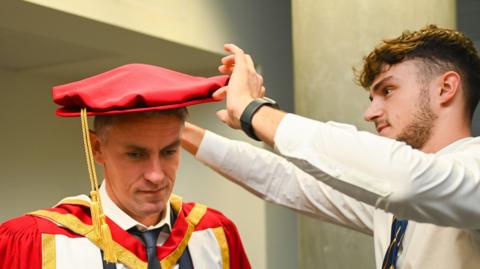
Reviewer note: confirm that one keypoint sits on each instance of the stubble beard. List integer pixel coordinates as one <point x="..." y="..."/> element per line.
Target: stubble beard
<point x="418" y="132"/>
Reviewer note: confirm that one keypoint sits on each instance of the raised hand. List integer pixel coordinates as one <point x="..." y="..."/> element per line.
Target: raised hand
<point x="245" y="85"/>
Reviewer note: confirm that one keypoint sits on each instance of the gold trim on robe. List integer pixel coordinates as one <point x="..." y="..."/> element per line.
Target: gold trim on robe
<point x="49" y="252"/>
<point x="222" y="242"/>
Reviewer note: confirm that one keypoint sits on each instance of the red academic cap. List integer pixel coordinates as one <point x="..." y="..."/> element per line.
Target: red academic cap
<point x="134" y="88"/>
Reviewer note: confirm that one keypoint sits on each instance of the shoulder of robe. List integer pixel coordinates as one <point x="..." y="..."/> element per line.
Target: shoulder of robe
<point x="23" y="225"/>
<point x="212" y="218"/>
<point x="30" y="226"/>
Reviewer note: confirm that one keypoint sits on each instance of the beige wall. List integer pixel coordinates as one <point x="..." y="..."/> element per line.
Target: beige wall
<point x="41" y="158"/>
<point x="180" y="21"/>
<point x="329" y="38"/>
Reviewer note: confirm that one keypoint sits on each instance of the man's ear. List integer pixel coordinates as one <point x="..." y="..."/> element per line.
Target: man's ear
<point x="450" y="86"/>
<point x="96" y="143"/>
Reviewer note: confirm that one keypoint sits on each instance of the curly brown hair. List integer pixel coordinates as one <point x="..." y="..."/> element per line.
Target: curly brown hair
<point x="439" y="49"/>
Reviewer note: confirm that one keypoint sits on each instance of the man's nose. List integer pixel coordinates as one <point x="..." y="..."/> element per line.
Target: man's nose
<point x="154" y="171"/>
<point x="373" y="111"/>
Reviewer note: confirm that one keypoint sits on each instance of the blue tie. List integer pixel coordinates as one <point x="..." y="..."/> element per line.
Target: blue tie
<point x="149" y="238"/>
<point x="398" y="231"/>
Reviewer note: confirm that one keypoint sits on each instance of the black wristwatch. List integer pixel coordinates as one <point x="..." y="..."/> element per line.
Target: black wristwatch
<point x="250" y="110"/>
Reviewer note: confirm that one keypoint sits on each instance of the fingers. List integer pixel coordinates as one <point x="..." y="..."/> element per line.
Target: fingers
<point x="226" y="70"/>
<point x="260" y="79"/>
<point x="250" y="64"/>
<point x="228" y="60"/>
<point x="238" y="58"/>
<point x="244" y="85"/>
<point x="228" y="63"/>
<point x="233" y="48"/>
<point x="232" y="62"/>
<point x="238" y="54"/>
<point x="220" y="94"/>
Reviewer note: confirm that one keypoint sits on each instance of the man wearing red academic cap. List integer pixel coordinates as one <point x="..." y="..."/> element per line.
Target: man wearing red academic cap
<point x="132" y="220"/>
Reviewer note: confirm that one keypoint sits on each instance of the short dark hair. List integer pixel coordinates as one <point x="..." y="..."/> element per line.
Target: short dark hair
<point x="101" y="122"/>
<point x="439" y="49"/>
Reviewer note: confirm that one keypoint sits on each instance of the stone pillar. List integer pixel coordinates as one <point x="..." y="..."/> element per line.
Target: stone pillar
<point x="329" y="38"/>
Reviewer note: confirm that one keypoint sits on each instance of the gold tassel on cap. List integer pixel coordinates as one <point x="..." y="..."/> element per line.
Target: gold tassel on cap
<point x="100" y="226"/>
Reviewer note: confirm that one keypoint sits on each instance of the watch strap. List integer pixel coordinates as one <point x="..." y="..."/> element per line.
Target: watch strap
<point x="249" y="112"/>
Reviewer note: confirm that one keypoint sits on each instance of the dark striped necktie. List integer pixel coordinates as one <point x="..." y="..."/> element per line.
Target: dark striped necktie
<point x="398" y="231"/>
<point x="149" y="238"/>
<point x="185" y="261"/>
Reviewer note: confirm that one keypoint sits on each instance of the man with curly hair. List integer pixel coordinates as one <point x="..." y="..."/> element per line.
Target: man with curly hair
<point x="403" y="187"/>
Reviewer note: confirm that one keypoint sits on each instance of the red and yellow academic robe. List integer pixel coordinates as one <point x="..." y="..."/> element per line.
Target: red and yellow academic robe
<point x="63" y="237"/>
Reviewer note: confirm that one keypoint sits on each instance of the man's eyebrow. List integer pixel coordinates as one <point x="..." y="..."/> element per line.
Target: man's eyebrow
<point x="135" y="147"/>
<point x="379" y="85"/>
<point x="174" y="144"/>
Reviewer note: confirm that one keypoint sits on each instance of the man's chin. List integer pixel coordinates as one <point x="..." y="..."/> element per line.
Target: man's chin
<point x="153" y="208"/>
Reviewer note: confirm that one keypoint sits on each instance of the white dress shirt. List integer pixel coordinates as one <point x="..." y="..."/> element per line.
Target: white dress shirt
<point x="126" y="222"/>
<point x="441" y="188"/>
<point x="375" y="171"/>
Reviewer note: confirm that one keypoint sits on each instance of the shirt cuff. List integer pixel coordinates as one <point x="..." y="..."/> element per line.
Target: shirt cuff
<point x="212" y="149"/>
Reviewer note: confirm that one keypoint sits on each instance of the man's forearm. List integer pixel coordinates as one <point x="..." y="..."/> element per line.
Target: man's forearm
<point x="265" y="123"/>
<point x="192" y="136"/>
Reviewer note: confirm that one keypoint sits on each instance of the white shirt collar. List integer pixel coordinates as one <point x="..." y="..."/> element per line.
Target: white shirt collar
<point x="457" y="144"/>
<point x="122" y="219"/>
